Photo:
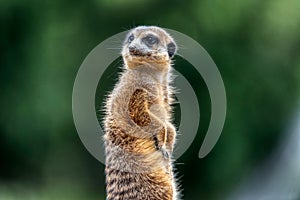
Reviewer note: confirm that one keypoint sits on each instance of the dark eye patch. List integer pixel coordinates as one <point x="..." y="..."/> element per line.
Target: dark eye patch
<point x="150" y="40"/>
<point x="130" y="38"/>
<point x="171" y="49"/>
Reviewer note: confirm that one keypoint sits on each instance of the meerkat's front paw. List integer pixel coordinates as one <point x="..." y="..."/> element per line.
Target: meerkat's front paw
<point x="171" y="136"/>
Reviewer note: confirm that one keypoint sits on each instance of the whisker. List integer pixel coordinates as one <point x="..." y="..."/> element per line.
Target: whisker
<point x="114" y="48"/>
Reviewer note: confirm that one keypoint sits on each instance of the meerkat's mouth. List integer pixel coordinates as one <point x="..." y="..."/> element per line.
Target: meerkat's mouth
<point x="140" y="55"/>
<point x="145" y="55"/>
<point x="137" y="52"/>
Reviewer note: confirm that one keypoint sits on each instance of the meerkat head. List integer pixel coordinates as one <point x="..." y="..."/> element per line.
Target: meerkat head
<point x="148" y="46"/>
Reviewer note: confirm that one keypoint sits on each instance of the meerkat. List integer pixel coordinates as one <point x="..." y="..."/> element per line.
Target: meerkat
<point x="139" y="137"/>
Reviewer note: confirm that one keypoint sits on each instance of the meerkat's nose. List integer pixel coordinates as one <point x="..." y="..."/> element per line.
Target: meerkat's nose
<point x="132" y="49"/>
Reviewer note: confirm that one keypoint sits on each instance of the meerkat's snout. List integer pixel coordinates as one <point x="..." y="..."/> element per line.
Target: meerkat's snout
<point x="138" y="51"/>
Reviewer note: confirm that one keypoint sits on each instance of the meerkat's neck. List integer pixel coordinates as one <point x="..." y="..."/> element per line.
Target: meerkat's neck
<point x="159" y="73"/>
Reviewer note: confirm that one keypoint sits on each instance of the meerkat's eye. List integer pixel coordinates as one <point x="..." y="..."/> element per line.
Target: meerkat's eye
<point x="131" y="38"/>
<point x="150" y="40"/>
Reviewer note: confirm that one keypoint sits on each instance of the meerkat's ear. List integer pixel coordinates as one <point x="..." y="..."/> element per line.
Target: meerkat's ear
<point x="171" y="49"/>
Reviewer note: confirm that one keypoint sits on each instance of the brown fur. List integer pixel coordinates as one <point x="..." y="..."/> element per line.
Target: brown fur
<point x="139" y="137"/>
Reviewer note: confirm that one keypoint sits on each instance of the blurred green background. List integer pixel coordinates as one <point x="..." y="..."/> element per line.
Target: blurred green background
<point x="255" y="44"/>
